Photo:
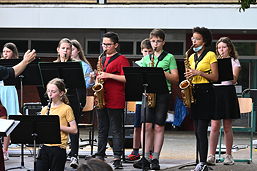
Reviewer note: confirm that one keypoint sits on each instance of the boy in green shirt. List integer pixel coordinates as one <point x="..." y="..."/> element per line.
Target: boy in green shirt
<point x="156" y="116"/>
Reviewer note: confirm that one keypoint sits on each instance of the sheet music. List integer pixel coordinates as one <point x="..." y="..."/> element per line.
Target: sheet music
<point x="7" y="126"/>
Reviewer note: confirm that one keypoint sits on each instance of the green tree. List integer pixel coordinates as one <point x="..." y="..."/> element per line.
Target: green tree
<point x="246" y="4"/>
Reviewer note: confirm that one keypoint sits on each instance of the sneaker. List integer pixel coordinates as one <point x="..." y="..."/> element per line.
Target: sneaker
<point x="142" y="163"/>
<point x="155" y="164"/>
<point x="117" y="164"/>
<point x="133" y="157"/>
<point x="74" y="162"/>
<point x="228" y="160"/>
<point x="6" y="156"/>
<point x="201" y="167"/>
<point x="211" y="160"/>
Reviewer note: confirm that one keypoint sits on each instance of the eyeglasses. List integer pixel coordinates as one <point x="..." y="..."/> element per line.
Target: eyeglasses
<point x="156" y="41"/>
<point x="195" y="39"/>
<point x="107" y="44"/>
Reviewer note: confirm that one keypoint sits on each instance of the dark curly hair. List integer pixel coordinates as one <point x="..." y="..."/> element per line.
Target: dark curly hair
<point x="206" y="34"/>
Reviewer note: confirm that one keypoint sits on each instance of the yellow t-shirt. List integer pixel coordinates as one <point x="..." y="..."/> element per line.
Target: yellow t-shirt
<point x="204" y="65"/>
<point x="66" y="115"/>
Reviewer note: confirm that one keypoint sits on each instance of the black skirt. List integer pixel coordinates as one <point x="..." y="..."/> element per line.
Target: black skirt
<point x="203" y="108"/>
<point x="226" y="103"/>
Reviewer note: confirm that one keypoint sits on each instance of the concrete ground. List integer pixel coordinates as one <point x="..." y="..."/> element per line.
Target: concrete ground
<point x="178" y="150"/>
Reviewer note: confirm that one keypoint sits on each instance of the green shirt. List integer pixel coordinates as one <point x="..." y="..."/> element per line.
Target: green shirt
<point x="167" y="63"/>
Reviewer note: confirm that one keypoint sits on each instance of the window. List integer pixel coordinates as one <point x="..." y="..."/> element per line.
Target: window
<point x="126" y="48"/>
<point x="246" y="48"/>
<point x="93" y="47"/>
<point x="175" y="48"/>
<point x="22" y="45"/>
<point x="44" y="46"/>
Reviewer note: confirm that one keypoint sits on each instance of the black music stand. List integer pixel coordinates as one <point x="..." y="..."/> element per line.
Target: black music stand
<point x="70" y="72"/>
<point x="40" y="129"/>
<point x="142" y="80"/>
<point x="225" y="69"/>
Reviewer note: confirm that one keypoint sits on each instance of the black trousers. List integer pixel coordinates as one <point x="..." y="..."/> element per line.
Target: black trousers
<point x="77" y="99"/>
<point x="201" y="129"/>
<point x="52" y="158"/>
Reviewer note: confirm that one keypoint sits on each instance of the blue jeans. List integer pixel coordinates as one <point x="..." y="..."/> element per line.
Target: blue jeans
<point x="110" y="119"/>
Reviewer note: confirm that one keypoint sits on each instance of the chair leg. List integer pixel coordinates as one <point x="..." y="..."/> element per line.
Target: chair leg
<point x="251" y="148"/>
<point x="220" y="140"/>
<point x="92" y="140"/>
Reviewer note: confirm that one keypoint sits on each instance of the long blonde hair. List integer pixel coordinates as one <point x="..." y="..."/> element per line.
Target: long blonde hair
<point x="61" y="87"/>
<point x="81" y="54"/>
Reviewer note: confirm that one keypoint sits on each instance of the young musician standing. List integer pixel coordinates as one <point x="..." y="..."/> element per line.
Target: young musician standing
<point x="77" y="98"/>
<point x="110" y="117"/>
<point x="227" y="107"/>
<point x="156" y="117"/>
<point x="204" y="69"/>
<point x="53" y="156"/>
<point x="146" y="49"/>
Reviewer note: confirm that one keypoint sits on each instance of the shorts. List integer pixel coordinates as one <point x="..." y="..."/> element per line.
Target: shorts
<point x="158" y="114"/>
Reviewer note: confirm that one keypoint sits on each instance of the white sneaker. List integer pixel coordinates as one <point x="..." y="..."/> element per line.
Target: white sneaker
<point x="74" y="162"/>
<point x="228" y="160"/>
<point x="211" y="160"/>
<point x="6" y="156"/>
<point x="201" y="167"/>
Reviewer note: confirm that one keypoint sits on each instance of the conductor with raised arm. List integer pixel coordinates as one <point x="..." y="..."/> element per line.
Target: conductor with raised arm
<point x="11" y="73"/>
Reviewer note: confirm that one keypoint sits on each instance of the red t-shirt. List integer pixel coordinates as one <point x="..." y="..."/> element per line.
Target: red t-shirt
<point x="115" y="90"/>
<point x="2" y="111"/>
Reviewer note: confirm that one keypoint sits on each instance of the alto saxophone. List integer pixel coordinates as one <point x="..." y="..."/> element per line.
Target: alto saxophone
<point x="98" y="88"/>
<point x="151" y="97"/>
<point x="186" y="85"/>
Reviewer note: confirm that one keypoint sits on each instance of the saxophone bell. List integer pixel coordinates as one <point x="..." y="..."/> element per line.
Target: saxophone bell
<point x="186" y="85"/>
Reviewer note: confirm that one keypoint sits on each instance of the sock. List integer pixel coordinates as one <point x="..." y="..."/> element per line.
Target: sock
<point x="147" y="156"/>
<point x="135" y="151"/>
<point x="156" y="155"/>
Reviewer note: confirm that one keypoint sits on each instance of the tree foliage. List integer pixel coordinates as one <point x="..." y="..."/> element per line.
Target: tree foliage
<point x="246" y="4"/>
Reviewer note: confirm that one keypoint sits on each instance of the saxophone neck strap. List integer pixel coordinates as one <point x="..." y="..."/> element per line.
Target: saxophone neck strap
<point x="160" y="58"/>
<point x="110" y="60"/>
<point x="198" y="59"/>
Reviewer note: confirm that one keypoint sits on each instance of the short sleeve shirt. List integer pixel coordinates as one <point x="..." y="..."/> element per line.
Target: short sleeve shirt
<point x="204" y="65"/>
<point x="66" y="115"/>
<point x="167" y="63"/>
<point x="115" y="90"/>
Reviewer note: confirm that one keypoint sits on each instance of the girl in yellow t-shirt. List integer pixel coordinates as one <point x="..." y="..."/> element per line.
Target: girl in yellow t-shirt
<point x="53" y="156"/>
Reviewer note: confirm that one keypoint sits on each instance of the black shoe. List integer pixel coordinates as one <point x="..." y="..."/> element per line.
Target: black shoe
<point x="117" y="164"/>
<point x="155" y="164"/>
<point x="142" y="163"/>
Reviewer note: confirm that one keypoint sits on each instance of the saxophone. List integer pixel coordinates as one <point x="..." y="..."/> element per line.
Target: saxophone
<point x="151" y="97"/>
<point x="186" y="85"/>
<point x="98" y="88"/>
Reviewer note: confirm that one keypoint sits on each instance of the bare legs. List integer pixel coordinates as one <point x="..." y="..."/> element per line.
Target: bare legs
<point x="214" y="135"/>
